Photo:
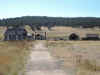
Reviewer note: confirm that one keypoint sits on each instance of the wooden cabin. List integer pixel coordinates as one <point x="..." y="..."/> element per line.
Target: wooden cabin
<point x="15" y="34"/>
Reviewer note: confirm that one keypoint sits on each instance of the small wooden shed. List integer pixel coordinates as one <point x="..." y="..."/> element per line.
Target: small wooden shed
<point x="74" y="36"/>
<point x="39" y="35"/>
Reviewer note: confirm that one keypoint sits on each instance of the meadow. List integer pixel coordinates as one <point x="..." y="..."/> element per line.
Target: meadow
<point x="81" y="57"/>
<point x="66" y="31"/>
<point x="12" y="57"/>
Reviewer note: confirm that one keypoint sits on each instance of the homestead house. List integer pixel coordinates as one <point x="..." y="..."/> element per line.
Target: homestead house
<point x="15" y="33"/>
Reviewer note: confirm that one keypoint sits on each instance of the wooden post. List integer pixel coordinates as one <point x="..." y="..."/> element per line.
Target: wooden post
<point x="16" y="37"/>
<point x="45" y="36"/>
<point x="8" y="37"/>
<point x="35" y="36"/>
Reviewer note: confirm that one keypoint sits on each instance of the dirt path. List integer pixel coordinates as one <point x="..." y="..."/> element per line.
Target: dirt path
<point x="42" y="63"/>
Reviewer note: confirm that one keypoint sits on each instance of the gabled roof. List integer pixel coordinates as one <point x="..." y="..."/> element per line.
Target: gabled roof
<point x="16" y="31"/>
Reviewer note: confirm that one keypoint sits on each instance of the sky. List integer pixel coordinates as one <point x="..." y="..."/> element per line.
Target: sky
<point x="54" y="8"/>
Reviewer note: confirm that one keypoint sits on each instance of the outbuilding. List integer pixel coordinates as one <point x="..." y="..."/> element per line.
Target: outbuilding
<point x="16" y="33"/>
<point x="73" y="36"/>
<point x="91" y="37"/>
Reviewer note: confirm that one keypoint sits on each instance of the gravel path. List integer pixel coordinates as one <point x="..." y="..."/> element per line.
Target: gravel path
<point x="42" y="63"/>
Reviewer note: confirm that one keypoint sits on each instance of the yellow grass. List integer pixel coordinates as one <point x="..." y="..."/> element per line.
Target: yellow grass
<point x="2" y="31"/>
<point x="61" y="31"/>
<point x="13" y="56"/>
<point x="83" y="56"/>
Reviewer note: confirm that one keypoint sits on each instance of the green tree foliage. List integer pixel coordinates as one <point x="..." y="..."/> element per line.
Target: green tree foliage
<point x="38" y="21"/>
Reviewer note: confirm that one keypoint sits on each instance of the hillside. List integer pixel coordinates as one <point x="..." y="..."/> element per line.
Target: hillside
<point x="51" y="21"/>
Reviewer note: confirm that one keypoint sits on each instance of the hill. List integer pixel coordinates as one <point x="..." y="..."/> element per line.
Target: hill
<point x="49" y="22"/>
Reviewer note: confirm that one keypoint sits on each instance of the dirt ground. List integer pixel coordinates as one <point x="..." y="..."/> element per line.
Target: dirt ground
<point x="41" y="62"/>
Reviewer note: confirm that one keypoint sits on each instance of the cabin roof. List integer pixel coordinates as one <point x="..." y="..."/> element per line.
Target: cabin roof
<point x="15" y="31"/>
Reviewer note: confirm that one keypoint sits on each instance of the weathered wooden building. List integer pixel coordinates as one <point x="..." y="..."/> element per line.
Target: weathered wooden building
<point x="74" y="36"/>
<point x="16" y="33"/>
<point x="40" y="35"/>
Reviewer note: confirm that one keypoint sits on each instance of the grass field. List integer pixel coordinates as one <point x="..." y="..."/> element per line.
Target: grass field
<point x="64" y="32"/>
<point x="12" y="56"/>
<point x="2" y="31"/>
<point x="83" y="57"/>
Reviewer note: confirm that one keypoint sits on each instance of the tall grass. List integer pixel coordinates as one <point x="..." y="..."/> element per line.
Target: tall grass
<point x="83" y="56"/>
<point x="12" y="56"/>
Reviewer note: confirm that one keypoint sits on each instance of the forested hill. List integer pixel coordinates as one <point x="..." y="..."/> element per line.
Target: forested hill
<point x="51" y="21"/>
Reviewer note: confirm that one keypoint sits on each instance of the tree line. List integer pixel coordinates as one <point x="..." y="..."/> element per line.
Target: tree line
<point x="38" y="21"/>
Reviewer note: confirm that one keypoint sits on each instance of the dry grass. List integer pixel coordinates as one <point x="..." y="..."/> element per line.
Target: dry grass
<point x="2" y="30"/>
<point x="83" y="56"/>
<point x="12" y="56"/>
<point x="89" y="65"/>
<point x="66" y="31"/>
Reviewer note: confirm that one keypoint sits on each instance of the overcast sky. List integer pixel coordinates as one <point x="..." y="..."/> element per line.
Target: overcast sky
<point x="59" y="8"/>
